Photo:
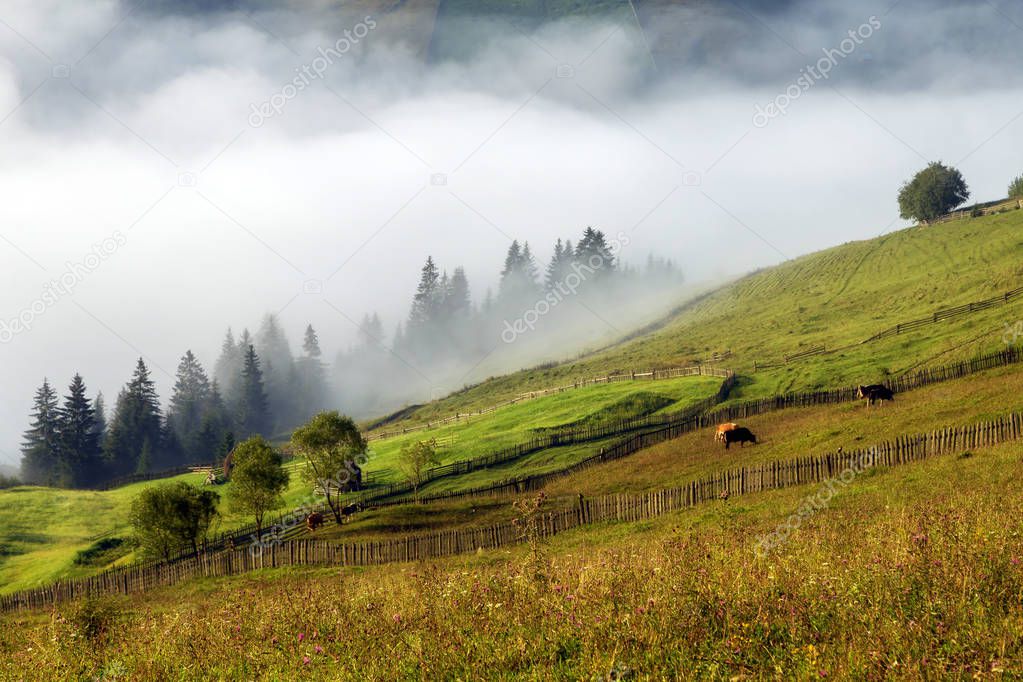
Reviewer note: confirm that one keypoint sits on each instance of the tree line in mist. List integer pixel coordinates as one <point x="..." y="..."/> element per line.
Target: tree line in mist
<point x="259" y="386"/>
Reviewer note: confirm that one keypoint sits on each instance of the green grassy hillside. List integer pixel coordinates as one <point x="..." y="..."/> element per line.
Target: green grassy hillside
<point x="517" y="423"/>
<point x="43" y="529"/>
<point x="834" y="298"/>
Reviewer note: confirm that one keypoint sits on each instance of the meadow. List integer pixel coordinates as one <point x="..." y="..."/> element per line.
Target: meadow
<point x="913" y="572"/>
<point x="34" y="552"/>
<point x="518" y="423"/>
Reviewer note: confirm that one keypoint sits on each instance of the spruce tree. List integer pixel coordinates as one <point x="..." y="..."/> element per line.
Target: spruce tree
<point x="136" y="420"/>
<point x="459" y="299"/>
<point x="229" y="365"/>
<point x="530" y="273"/>
<point x="593" y="252"/>
<point x="40" y="448"/>
<point x="510" y="275"/>
<point x="99" y="407"/>
<point x="253" y="409"/>
<point x="280" y="380"/>
<point x="311" y="343"/>
<point x="560" y="266"/>
<point x="426" y="301"/>
<point x="312" y="375"/>
<point x="188" y="404"/>
<point x="80" y="455"/>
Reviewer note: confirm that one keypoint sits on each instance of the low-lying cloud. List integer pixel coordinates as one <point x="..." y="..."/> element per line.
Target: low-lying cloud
<point x="140" y="121"/>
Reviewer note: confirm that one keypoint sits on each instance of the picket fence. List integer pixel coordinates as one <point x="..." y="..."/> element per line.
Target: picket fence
<point x="622" y="507"/>
<point x="649" y="375"/>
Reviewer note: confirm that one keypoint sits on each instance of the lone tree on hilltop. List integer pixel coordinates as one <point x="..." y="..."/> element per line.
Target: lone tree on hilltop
<point x="932" y="193"/>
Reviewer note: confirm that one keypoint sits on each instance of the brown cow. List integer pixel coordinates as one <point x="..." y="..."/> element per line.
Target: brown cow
<point x="722" y="429"/>
<point x="314" y="521"/>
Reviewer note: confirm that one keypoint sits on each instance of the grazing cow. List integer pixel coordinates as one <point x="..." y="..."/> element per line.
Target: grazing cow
<point x="879" y="394"/>
<point x="864" y="391"/>
<point x="740" y="435"/>
<point x="722" y="428"/>
<point x="314" y="521"/>
<point x="874" y="392"/>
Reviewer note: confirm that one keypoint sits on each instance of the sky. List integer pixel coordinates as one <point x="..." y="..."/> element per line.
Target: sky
<point x="164" y="175"/>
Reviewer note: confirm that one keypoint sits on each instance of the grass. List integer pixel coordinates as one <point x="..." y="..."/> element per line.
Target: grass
<point x="517" y="423"/>
<point x="42" y="530"/>
<point x="784" y="435"/>
<point x="792" y="433"/>
<point x="911" y="573"/>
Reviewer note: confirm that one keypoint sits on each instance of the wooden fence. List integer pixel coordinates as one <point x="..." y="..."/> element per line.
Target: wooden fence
<point x="623" y="507"/>
<point x="948" y="314"/>
<point x="650" y="375"/>
<point x="657" y="430"/>
<point x="687" y="424"/>
<point x="989" y="208"/>
<point x="561" y="437"/>
<point x="903" y="327"/>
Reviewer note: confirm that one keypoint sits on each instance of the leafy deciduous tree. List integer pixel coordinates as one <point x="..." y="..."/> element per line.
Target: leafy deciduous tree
<point x="258" y="479"/>
<point x="170" y="516"/>
<point x="333" y="448"/>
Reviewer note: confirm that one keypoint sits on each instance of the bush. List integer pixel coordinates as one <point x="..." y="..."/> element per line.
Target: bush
<point x="172" y="516"/>
<point x="932" y="193"/>
<point x="1016" y="188"/>
<point x="8" y="482"/>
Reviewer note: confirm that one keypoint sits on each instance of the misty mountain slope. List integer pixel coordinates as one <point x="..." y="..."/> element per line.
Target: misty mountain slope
<point x="834" y="298"/>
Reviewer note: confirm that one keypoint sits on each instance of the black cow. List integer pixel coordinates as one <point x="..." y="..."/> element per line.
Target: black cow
<point x="863" y="391"/>
<point x="741" y="435"/>
<point x="879" y="395"/>
<point x="874" y="393"/>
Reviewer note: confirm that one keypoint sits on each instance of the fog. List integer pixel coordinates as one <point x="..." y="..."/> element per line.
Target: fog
<point x="135" y="149"/>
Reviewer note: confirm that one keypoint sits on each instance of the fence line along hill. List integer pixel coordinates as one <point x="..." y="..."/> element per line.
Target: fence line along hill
<point x="621" y="507"/>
